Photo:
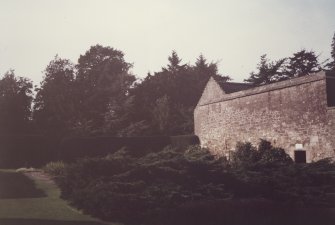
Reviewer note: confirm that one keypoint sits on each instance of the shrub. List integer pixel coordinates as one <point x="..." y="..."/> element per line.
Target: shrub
<point x="169" y="186"/>
<point x="245" y="155"/>
<point x="129" y="189"/>
<point x="249" y="156"/>
<point x="182" y="141"/>
<point x="55" y="169"/>
<point x="80" y="147"/>
<point x="269" y="154"/>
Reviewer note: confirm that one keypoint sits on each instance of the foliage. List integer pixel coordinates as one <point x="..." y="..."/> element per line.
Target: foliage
<point x="302" y="63"/>
<point x="165" y="101"/>
<point x="183" y="141"/>
<point x="268" y="72"/>
<point x="248" y="156"/>
<point x="137" y="189"/>
<point x="15" y="103"/>
<point x="99" y="94"/>
<point x="162" y="113"/>
<point x="245" y="155"/>
<point x="270" y="155"/>
<point x="171" y="183"/>
<point x="103" y="81"/>
<point x="331" y="65"/>
<point x="332" y="53"/>
<point x="55" y="168"/>
<point x="55" y="102"/>
<point x="26" y="150"/>
<point x="71" y="149"/>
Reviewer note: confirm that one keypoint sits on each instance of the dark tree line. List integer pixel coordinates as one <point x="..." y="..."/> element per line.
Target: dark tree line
<point x="302" y="63"/>
<point x="100" y="96"/>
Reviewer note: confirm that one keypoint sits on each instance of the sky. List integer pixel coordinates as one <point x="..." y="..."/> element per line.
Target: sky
<point x="233" y="33"/>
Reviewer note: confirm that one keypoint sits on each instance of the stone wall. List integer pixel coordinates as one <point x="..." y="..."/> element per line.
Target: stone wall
<point x="286" y="113"/>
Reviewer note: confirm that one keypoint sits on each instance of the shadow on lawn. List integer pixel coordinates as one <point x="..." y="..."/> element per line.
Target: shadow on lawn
<point x="17" y="185"/>
<point x="45" y="222"/>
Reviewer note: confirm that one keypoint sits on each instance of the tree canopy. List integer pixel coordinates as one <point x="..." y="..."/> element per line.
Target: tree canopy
<point x="268" y="72"/>
<point x="302" y="63"/>
<point x="100" y="95"/>
<point x="164" y="101"/>
<point x="331" y="65"/>
<point x="55" y="108"/>
<point x="103" y="78"/>
<point x="15" y="103"/>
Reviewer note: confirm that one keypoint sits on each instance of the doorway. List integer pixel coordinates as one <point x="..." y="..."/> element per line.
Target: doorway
<point x="300" y="156"/>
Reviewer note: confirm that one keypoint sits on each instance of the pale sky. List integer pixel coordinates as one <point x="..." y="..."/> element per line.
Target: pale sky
<point x="235" y="33"/>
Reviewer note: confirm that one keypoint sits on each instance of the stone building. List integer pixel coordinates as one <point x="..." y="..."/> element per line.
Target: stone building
<point x="297" y="115"/>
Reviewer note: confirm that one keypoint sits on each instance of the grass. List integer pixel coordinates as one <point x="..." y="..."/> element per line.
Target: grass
<point x="34" y="201"/>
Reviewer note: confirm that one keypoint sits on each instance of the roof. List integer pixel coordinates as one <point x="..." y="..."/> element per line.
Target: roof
<point x="231" y="87"/>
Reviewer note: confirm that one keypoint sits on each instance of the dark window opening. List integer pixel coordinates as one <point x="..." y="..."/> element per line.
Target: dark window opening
<point x="330" y="81"/>
<point x="300" y="156"/>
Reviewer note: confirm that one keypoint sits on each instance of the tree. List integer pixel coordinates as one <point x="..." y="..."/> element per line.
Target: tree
<point x="15" y="103"/>
<point x="162" y="113"/>
<point x="331" y="65"/>
<point x="174" y="64"/>
<point x="333" y="48"/>
<point x="302" y="63"/>
<point x="103" y="78"/>
<point x="164" y="101"/>
<point x="55" y="103"/>
<point x="203" y="70"/>
<point x="268" y="72"/>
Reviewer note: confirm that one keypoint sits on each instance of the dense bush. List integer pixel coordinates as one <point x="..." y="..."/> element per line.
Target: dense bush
<point x="56" y="168"/>
<point x="79" y="147"/>
<point x="124" y="188"/>
<point x="191" y="187"/>
<point x="26" y="150"/>
<point x="182" y="141"/>
<point x="36" y="150"/>
<point x="249" y="156"/>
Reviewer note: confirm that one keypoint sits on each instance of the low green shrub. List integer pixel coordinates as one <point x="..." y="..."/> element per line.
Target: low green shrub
<point x="55" y="169"/>
<point x="182" y="141"/>
<point x="81" y="147"/>
<point x="169" y="186"/>
<point x="130" y="189"/>
<point x="248" y="156"/>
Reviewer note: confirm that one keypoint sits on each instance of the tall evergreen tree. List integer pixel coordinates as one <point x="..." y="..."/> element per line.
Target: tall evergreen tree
<point x="333" y="48"/>
<point x="268" y="72"/>
<point x="302" y="63"/>
<point x="164" y="102"/>
<point x="174" y="65"/>
<point x="331" y="65"/>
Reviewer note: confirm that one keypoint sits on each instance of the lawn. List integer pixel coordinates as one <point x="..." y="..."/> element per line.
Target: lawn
<point x="34" y="200"/>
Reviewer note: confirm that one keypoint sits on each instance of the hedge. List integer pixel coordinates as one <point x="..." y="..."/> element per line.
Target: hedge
<point x="183" y="141"/>
<point x="79" y="147"/>
<point x="26" y="150"/>
<point x="37" y="150"/>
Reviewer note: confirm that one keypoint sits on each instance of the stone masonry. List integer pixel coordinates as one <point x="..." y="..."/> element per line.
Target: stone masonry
<point x="295" y="115"/>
